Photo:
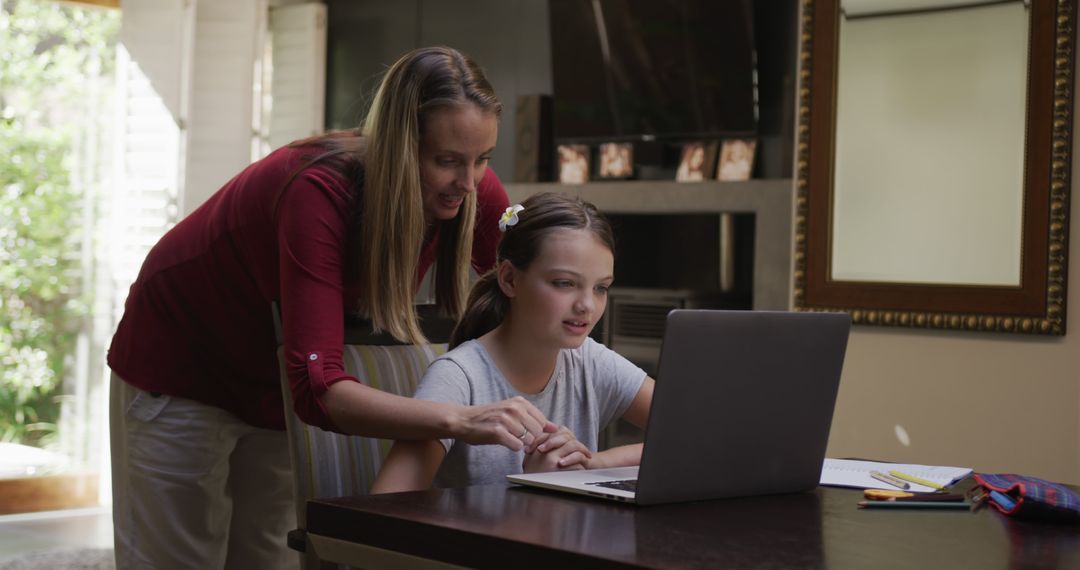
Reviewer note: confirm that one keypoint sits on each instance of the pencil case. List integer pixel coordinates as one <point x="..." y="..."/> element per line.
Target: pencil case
<point x="1029" y="497"/>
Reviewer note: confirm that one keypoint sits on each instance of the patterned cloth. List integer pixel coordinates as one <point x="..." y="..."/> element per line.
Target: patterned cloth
<point x="329" y="464"/>
<point x="1034" y="498"/>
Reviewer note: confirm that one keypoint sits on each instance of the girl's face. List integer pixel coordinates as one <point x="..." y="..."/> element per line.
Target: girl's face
<point x="454" y="153"/>
<point x="563" y="293"/>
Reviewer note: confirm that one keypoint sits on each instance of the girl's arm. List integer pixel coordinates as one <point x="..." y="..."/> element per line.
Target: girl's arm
<point x="410" y="466"/>
<point x="622" y="456"/>
<point x="637" y="414"/>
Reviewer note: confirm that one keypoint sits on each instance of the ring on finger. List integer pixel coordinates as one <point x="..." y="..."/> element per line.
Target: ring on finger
<point x="524" y="433"/>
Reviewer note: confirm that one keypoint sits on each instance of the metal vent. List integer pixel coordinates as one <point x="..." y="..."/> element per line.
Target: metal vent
<point x="640" y="320"/>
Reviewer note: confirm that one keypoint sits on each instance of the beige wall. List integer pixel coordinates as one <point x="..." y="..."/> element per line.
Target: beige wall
<point x="992" y="402"/>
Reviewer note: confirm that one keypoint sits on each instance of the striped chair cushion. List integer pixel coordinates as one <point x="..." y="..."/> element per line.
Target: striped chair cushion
<point x="328" y="464"/>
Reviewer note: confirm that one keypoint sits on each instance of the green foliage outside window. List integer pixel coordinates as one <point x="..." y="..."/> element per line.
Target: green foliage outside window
<point x="49" y="53"/>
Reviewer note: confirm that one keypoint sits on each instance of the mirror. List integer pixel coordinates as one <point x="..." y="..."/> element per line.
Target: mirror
<point x="933" y="170"/>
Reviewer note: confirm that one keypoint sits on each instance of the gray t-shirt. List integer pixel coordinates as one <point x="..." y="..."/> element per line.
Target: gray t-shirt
<point x="591" y="386"/>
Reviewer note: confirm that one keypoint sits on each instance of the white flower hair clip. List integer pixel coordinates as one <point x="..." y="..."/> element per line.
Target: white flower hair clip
<point x="510" y="217"/>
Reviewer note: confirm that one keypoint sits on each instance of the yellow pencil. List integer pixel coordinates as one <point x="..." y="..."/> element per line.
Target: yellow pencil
<point x="886" y="495"/>
<point x="915" y="479"/>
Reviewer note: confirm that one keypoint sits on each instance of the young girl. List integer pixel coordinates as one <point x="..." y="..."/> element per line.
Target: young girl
<point x="525" y="332"/>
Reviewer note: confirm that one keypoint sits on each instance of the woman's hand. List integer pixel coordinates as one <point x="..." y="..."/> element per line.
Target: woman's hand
<point x="556" y="451"/>
<point x="513" y="423"/>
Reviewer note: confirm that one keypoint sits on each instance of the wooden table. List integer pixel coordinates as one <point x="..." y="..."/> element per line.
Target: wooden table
<point x="511" y="527"/>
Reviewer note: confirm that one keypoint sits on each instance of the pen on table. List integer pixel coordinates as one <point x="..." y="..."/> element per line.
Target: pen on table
<point x="880" y="495"/>
<point x="921" y="498"/>
<point x="913" y="505"/>
<point x="891" y="480"/>
<point x="917" y="480"/>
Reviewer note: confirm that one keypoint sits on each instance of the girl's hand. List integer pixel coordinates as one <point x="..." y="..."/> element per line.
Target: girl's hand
<point x="556" y="451"/>
<point x="513" y="423"/>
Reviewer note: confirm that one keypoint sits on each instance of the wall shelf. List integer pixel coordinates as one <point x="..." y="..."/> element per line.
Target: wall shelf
<point x="770" y="201"/>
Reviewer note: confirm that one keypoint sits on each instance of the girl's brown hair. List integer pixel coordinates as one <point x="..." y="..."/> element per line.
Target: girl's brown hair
<point x="543" y="214"/>
<point x="383" y="164"/>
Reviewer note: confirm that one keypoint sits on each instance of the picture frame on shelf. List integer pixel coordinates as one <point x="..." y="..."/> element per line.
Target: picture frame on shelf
<point x="736" y="161"/>
<point x="616" y="161"/>
<point x="697" y="162"/>
<point x="573" y="163"/>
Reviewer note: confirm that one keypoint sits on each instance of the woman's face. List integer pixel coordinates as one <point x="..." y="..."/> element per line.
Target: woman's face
<point x="454" y="153"/>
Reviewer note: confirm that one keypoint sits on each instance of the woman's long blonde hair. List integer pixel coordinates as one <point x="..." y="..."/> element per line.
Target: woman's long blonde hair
<point x="381" y="160"/>
<point x="392" y="218"/>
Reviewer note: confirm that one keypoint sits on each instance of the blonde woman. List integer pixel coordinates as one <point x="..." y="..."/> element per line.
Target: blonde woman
<point x="345" y="222"/>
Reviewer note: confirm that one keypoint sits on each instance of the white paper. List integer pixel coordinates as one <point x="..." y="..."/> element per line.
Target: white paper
<point x="853" y="473"/>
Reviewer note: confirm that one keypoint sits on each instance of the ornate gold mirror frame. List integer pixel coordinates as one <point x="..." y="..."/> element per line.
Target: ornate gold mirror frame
<point x="1037" y="305"/>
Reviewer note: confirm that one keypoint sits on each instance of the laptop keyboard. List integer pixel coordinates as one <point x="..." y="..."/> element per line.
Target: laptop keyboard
<point x="624" y="485"/>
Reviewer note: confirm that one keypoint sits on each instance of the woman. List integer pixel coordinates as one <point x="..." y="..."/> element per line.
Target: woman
<point x="345" y="222"/>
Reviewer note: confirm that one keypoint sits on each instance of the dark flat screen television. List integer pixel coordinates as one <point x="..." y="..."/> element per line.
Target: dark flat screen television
<point x="642" y="69"/>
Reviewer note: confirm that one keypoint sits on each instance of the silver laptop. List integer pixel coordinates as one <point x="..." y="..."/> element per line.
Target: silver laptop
<point x="743" y="405"/>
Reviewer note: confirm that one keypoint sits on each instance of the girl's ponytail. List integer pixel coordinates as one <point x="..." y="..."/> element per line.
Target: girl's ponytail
<point x="485" y="309"/>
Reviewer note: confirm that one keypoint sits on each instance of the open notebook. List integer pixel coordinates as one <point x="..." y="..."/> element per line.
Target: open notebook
<point x="854" y="473"/>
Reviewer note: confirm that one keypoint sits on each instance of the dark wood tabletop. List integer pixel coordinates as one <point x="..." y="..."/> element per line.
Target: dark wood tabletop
<point x="503" y="527"/>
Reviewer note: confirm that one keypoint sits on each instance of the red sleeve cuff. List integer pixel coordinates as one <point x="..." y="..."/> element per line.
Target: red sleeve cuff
<point x="307" y="392"/>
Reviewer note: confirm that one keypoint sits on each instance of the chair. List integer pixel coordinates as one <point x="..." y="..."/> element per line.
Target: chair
<point x="328" y="464"/>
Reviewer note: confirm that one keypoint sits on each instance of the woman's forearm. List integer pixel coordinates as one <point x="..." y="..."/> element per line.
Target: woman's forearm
<point x="362" y="410"/>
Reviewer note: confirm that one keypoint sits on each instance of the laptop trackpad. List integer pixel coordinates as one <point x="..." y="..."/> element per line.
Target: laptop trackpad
<point x="612" y="474"/>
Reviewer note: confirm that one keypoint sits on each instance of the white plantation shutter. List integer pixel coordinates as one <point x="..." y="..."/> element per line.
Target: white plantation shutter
<point x="298" y="34"/>
<point x="144" y="201"/>
<point x="153" y="72"/>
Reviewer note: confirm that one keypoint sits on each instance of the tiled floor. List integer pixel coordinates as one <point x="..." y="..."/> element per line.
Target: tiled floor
<point x="35" y="532"/>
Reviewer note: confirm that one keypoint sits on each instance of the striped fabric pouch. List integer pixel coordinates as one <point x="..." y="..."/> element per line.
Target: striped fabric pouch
<point x="1028" y="497"/>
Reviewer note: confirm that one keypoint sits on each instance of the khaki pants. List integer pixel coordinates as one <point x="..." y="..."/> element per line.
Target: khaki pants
<point x="195" y="487"/>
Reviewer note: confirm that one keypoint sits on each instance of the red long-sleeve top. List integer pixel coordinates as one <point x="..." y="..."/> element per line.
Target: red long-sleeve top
<point x="197" y="323"/>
